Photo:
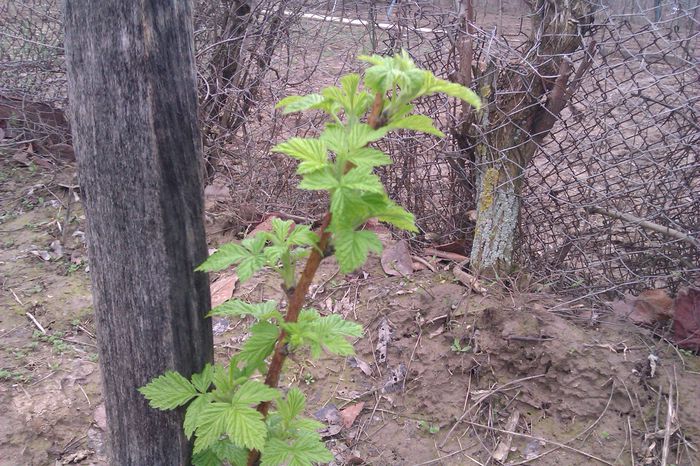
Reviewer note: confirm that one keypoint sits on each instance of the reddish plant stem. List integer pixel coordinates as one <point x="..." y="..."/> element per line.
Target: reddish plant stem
<point x="298" y="297"/>
<point x="296" y="302"/>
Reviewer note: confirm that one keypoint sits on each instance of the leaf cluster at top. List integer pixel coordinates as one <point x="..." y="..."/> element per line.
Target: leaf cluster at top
<point x="341" y="160"/>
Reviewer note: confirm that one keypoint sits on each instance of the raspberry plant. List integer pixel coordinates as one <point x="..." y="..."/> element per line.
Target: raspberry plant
<point x="228" y="407"/>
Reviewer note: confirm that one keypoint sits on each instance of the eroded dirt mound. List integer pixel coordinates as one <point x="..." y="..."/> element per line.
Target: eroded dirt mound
<point x="502" y="377"/>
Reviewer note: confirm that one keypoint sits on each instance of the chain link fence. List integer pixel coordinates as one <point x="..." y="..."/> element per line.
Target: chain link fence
<point x="610" y="200"/>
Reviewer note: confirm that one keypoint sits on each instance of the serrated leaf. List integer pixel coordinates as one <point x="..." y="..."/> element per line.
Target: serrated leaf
<point x="252" y="392"/>
<point x="225" y="256"/>
<point x="206" y="458"/>
<point x="168" y="391"/>
<point x="420" y="123"/>
<point x="210" y="425"/>
<point x="223" y="377"/>
<point x="240" y="308"/>
<point x="304" y="450"/>
<point x="323" y="333"/>
<point x="362" y="179"/>
<point x="243" y="424"/>
<point x="366" y="157"/>
<point x="292" y="405"/>
<point x="203" y="380"/>
<point x="256" y="243"/>
<point x="312" y="153"/>
<point x="192" y="414"/>
<point x="398" y="216"/>
<point x="319" y="180"/>
<point x="352" y="248"/>
<point x="358" y="101"/>
<point x="303" y="236"/>
<point x="304" y="423"/>
<point x="226" y="450"/>
<point x="357" y="179"/>
<point x="281" y="228"/>
<point x="273" y="254"/>
<point x="246" y="427"/>
<point x="248" y="266"/>
<point x="296" y="103"/>
<point x="433" y="84"/>
<point x="261" y="342"/>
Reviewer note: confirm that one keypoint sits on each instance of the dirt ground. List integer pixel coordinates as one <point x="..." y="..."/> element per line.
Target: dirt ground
<point x="509" y="376"/>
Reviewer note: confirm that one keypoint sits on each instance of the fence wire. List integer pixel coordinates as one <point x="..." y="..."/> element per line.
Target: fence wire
<point x="610" y="200"/>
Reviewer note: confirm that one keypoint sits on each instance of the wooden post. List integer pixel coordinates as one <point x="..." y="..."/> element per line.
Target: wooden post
<point x="133" y="107"/>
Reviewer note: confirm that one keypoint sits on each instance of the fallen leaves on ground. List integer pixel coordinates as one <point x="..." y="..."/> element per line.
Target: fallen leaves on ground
<point x="384" y="337"/>
<point x="350" y="413"/>
<point x="686" y="319"/>
<point x="222" y="289"/>
<point x="650" y="307"/>
<point x="396" y="259"/>
<point x="360" y="364"/>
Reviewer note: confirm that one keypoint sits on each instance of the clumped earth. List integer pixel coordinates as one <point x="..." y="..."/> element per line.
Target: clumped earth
<point x="444" y="374"/>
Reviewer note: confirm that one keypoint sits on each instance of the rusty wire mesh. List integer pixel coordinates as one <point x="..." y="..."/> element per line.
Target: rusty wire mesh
<point x="610" y="202"/>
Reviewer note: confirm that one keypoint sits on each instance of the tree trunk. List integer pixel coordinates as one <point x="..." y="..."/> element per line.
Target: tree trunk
<point x="133" y="109"/>
<point x="522" y="103"/>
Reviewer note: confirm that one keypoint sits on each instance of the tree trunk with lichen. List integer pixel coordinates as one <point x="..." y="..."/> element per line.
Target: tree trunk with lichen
<point x="521" y="104"/>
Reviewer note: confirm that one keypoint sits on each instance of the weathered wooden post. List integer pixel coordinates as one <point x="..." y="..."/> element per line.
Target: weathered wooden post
<point x="133" y="108"/>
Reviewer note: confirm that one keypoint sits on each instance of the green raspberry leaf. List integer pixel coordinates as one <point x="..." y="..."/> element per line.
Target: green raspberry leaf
<point x="303" y="236"/>
<point x="240" y="308"/>
<point x="248" y="266"/>
<point x="261" y="342"/>
<point x="253" y="392"/>
<point x="420" y="123"/>
<point x="366" y="157"/>
<point x="319" y="180"/>
<point x="297" y="103"/>
<point x="281" y="228"/>
<point x="243" y="425"/>
<point x="305" y="450"/>
<point x="168" y="391"/>
<point x="327" y="333"/>
<point x="292" y="406"/>
<point x="206" y="458"/>
<point x="192" y="414"/>
<point x="433" y="85"/>
<point x="226" y="450"/>
<point x="312" y="153"/>
<point x="352" y="248"/>
<point x="396" y="215"/>
<point x="225" y="256"/>
<point x="203" y="380"/>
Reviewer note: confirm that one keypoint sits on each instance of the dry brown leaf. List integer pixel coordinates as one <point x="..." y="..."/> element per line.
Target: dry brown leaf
<point x="360" y="364"/>
<point x="503" y="448"/>
<point x="222" y="289"/>
<point x="649" y="307"/>
<point x="686" y="319"/>
<point x="383" y="339"/>
<point x="468" y="280"/>
<point x="396" y="259"/>
<point x="350" y="413"/>
<point x="22" y="158"/>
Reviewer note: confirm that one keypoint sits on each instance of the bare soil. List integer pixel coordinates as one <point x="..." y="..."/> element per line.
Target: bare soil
<point x="460" y="366"/>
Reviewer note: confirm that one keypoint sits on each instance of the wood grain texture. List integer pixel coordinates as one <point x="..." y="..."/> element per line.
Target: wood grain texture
<point x="133" y="110"/>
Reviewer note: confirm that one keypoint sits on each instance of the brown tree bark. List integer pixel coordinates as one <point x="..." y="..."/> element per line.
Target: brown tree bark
<point x="133" y="108"/>
<point x="522" y="103"/>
